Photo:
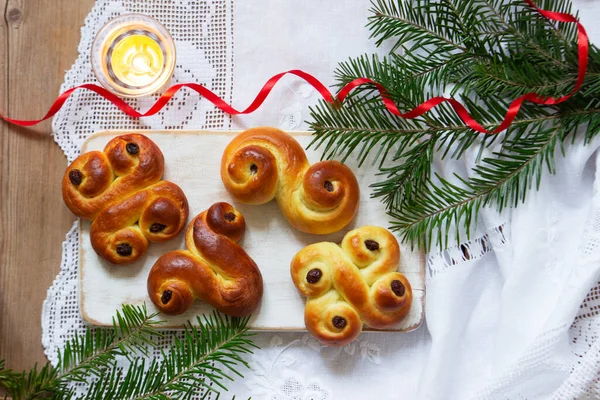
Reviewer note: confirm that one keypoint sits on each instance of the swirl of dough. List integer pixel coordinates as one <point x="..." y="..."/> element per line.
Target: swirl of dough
<point x="97" y="179"/>
<point x="262" y="164"/>
<point x="332" y="320"/>
<point x="214" y="268"/>
<point x="121" y="191"/>
<point x="121" y="232"/>
<point x="350" y="284"/>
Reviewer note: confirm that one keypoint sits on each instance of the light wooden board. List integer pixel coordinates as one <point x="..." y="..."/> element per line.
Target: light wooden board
<point x="192" y="160"/>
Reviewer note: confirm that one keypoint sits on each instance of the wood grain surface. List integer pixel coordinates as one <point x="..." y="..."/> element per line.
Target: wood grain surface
<point x="38" y="43"/>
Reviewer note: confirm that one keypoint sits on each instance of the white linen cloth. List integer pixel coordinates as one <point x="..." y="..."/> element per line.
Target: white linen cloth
<point x="513" y="314"/>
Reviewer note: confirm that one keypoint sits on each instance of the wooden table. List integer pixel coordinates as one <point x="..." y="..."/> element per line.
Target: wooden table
<point x="38" y="43"/>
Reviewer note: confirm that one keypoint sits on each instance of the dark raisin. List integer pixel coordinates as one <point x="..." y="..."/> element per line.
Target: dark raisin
<point x="328" y="186"/>
<point x="156" y="227"/>
<point x="229" y="217"/>
<point x="398" y="288"/>
<point x="372" y="245"/>
<point x="76" y="177"/>
<point x="132" y="148"/>
<point x="124" y="249"/>
<point x="166" y="296"/>
<point x="314" y="275"/>
<point x="253" y="169"/>
<point x="465" y="251"/>
<point x="339" y="322"/>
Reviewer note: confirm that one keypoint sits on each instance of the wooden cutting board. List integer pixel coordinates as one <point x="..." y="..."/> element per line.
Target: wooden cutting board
<point x="192" y="160"/>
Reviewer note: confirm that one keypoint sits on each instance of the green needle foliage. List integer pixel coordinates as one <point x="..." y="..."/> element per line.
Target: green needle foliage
<point x="484" y="53"/>
<point x="208" y="356"/>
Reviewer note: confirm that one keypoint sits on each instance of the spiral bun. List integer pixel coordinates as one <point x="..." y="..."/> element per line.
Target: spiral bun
<point x="262" y="164"/>
<point x="351" y="284"/>
<point x="121" y="191"/>
<point x="214" y="268"/>
<point x="99" y="178"/>
<point x="120" y="234"/>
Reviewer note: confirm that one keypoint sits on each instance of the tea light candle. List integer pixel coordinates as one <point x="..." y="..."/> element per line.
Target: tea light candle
<point x="133" y="55"/>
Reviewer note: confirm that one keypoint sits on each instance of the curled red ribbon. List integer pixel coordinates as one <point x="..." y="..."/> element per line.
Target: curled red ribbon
<point x="511" y="114"/>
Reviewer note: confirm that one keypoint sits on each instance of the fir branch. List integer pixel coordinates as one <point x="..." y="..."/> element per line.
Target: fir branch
<point x="92" y="353"/>
<point x="340" y="132"/>
<point x="487" y="53"/>
<point x="37" y="383"/>
<point x="509" y="18"/>
<point x="502" y="181"/>
<point x="8" y="378"/>
<point x="400" y="20"/>
<point x="208" y="355"/>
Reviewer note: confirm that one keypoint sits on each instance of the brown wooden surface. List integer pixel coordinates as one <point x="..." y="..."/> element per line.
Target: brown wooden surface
<point x="38" y="43"/>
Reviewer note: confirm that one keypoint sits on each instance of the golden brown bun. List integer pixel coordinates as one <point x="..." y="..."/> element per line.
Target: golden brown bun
<point x="264" y="163"/>
<point x="120" y="233"/>
<point x="350" y="284"/>
<point x="97" y="179"/>
<point x="214" y="269"/>
<point x="120" y="190"/>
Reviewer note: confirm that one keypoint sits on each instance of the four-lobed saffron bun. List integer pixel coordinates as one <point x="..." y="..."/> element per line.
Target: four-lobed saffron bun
<point x="214" y="268"/>
<point x="121" y="191"/>
<point x="261" y="164"/>
<point x="352" y="284"/>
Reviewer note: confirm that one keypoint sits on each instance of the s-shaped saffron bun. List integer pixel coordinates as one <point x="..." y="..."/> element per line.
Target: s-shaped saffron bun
<point x="214" y="268"/>
<point x="262" y="164"/>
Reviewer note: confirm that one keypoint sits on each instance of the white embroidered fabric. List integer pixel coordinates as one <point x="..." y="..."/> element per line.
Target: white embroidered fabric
<point x="512" y="314"/>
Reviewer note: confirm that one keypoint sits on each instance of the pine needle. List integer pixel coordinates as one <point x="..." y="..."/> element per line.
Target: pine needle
<point x="485" y="53"/>
<point x="205" y="360"/>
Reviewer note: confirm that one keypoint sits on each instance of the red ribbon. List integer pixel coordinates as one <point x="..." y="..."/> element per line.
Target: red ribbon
<point x="513" y="110"/>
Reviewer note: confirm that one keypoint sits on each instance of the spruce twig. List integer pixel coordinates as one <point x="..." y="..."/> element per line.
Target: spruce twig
<point x="486" y="53"/>
<point x="210" y="353"/>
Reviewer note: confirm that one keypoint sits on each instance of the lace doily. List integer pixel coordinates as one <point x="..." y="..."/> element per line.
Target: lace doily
<point x="203" y="32"/>
<point x="294" y="366"/>
<point x="204" y="39"/>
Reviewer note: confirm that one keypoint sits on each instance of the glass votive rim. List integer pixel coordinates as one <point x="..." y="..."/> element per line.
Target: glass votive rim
<point x="114" y="29"/>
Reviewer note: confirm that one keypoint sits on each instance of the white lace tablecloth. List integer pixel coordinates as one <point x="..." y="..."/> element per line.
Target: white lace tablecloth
<point x="513" y="314"/>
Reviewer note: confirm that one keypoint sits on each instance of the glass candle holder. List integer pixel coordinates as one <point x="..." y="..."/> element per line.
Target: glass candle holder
<point x="133" y="55"/>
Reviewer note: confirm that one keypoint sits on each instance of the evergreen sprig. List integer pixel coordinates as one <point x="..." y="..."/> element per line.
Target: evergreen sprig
<point x="208" y="355"/>
<point x="37" y="383"/>
<point x="96" y="350"/>
<point x="484" y="53"/>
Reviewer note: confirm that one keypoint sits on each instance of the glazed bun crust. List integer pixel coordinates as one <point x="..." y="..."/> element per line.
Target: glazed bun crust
<point x="121" y="233"/>
<point x="214" y="268"/>
<point x="352" y="284"/>
<point x="262" y="164"/>
<point x="99" y="178"/>
<point x="121" y="191"/>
